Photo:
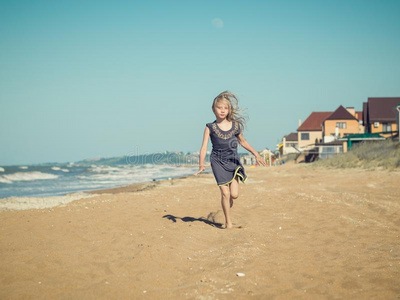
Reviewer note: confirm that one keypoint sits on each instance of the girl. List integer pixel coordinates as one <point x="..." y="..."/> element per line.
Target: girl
<point x="225" y="133"/>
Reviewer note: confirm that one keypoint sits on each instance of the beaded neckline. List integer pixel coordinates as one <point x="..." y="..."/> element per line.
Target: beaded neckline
<point x="220" y="133"/>
<point x="225" y="130"/>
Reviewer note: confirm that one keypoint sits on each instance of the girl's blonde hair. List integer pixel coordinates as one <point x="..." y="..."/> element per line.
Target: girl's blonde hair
<point x="235" y="113"/>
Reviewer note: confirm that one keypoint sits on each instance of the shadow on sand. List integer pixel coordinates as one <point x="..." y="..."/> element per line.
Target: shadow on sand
<point x="191" y="219"/>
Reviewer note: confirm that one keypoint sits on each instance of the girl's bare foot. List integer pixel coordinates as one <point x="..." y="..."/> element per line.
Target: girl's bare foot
<point x="231" y="226"/>
<point x="228" y="226"/>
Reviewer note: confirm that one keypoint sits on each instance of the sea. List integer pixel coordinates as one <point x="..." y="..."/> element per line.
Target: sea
<point x="47" y="180"/>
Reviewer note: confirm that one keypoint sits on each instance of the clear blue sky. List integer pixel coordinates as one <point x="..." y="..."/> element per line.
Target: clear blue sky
<point x="83" y="79"/>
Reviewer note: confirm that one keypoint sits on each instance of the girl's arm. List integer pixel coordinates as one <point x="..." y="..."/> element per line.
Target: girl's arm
<point x="248" y="147"/>
<point x="203" y="150"/>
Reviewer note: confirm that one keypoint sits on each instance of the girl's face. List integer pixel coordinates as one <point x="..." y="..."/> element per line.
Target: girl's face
<point x="221" y="109"/>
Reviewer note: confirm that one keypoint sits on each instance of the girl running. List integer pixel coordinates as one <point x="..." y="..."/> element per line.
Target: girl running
<point x="226" y="132"/>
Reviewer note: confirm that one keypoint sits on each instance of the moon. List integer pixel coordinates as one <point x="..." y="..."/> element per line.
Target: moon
<point x="217" y="23"/>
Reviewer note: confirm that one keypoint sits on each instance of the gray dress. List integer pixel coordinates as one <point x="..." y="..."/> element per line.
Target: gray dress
<point x="225" y="161"/>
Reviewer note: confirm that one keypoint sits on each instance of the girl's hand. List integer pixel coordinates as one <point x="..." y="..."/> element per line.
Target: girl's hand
<point x="201" y="169"/>
<point x="260" y="160"/>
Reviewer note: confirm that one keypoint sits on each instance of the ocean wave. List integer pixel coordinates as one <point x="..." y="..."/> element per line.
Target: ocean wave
<point x="59" y="169"/>
<point x="103" y="169"/>
<point x="22" y="203"/>
<point x="26" y="176"/>
<point x="23" y="167"/>
<point x="2" y="169"/>
<point x="81" y="178"/>
<point x="129" y="174"/>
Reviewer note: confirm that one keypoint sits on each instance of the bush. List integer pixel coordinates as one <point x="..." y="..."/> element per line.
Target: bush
<point x="368" y="154"/>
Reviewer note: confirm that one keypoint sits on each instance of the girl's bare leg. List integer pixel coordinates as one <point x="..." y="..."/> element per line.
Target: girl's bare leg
<point x="225" y="196"/>
<point x="234" y="189"/>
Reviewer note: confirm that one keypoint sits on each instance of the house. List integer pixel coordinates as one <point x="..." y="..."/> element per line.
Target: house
<point x="341" y="122"/>
<point x="269" y="156"/>
<point x="319" y="133"/>
<point x="381" y="116"/>
<point x="311" y="131"/>
<point x="290" y="143"/>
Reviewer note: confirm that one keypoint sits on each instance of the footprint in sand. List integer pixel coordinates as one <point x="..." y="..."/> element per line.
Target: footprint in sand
<point x="218" y="217"/>
<point x="234" y="226"/>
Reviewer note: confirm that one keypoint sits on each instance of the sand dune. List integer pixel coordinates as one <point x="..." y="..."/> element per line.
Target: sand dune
<point x="301" y="232"/>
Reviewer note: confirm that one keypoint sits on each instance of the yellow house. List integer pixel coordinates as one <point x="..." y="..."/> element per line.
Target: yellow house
<point x="342" y="122"/>
<point x="380" y="115"/>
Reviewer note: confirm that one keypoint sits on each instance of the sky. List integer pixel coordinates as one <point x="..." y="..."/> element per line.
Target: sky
<point x="87" y="79"/>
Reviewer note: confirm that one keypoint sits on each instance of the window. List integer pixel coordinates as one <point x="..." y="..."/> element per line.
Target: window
<point x="330" y="151"/>
<point x="341" y="125"/>
<point x="386" y="127"/>
<point x="305" y="136"/>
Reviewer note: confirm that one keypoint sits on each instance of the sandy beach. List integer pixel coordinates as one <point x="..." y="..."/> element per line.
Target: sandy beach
<point x="302" y="232"/>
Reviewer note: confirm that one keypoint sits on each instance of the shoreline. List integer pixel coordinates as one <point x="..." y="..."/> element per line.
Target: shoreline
<point x="44" y="202"/>
<point x="136" y="187"/>
<point x="147" y="185"/>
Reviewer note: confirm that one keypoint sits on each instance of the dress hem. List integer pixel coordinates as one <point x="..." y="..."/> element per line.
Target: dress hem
<point x="243" y="179"/>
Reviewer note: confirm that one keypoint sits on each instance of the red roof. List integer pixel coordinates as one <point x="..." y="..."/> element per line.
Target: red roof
<point x="314" y="121"/>
<point x="341" y="114"/>
<point x="382" y="109"/>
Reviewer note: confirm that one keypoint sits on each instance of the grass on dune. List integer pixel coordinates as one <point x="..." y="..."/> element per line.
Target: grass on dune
<point x="377" y="154"/>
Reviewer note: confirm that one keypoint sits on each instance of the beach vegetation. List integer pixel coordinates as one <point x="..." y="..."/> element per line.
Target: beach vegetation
<point x="368" y="155"/>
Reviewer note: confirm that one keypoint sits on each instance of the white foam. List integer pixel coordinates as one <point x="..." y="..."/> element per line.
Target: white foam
<point x="2" y="169"/>
<point x="23" y="167"/>
<point x="59" y="169"/>
<point x="128" y="174"/>
<point x="102" y="169"/>
<point x="22" y="203"/>
<point x="4" y="180"/>
<point x="26" y="176"/>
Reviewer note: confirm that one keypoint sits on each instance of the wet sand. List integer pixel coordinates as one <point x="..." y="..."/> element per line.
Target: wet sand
<point x="304" y="233"/>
